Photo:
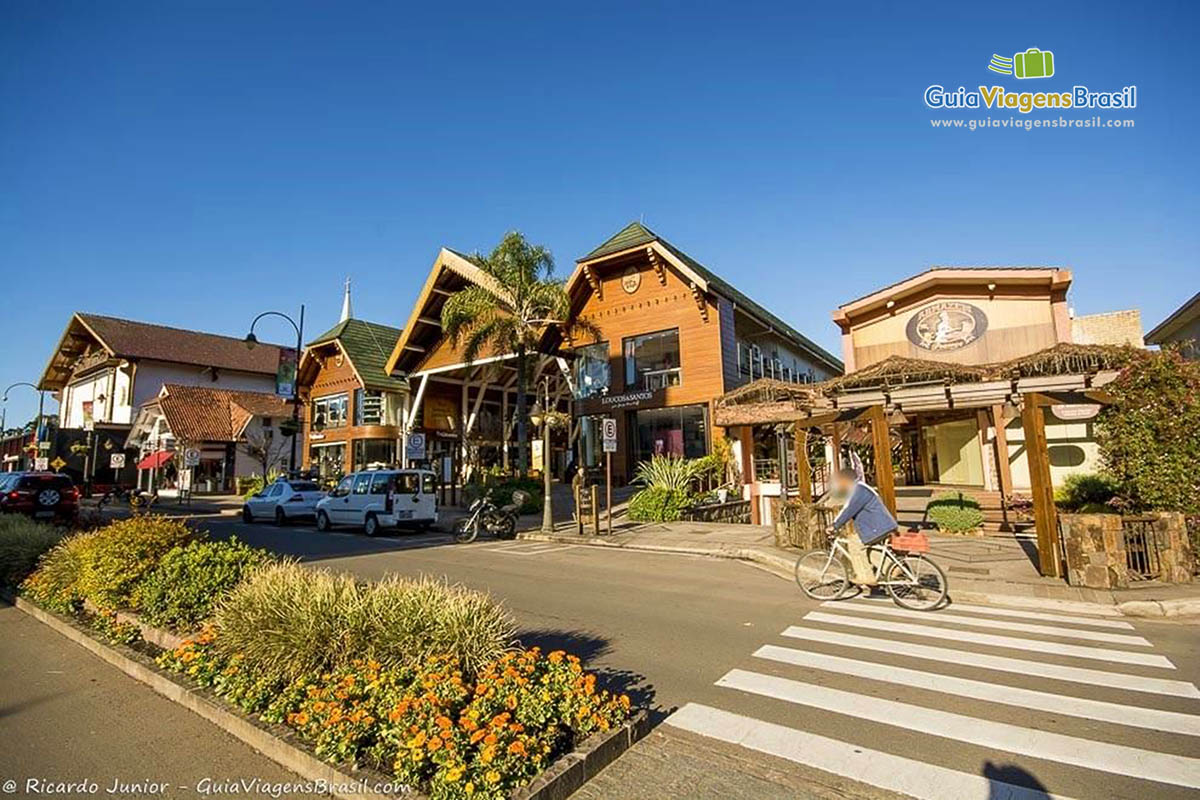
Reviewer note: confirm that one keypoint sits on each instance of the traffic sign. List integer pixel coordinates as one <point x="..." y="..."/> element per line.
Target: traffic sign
<point x="117" y="461"/>
<point x="608" y="432"/>
<point x="191" y="457"/>
<point x="41" y="464"/>
<point x="57" y="463"/>
<point x="415" y="446"/>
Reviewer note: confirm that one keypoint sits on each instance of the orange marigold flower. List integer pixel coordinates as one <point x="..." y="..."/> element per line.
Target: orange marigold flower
<point x="435" y="743"/>
<point x="444" y="723"/>
<point x="556" y="657"/>
<point x="489" y="738"/>
<point x="512" y="701"/>
<point x="517" y="748"/>
<point x="476" y="736"/>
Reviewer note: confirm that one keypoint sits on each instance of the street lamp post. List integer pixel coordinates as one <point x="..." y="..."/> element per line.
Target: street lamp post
<point x="252" y="340"/>
<point x="37" y="431"/>
<point x="540" y="415"/>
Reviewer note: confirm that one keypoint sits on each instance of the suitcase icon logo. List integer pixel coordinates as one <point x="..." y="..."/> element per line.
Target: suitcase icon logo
<point x="1033" y="63"/>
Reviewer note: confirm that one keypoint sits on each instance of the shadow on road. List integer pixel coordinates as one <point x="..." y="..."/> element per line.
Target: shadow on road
<point x="1004" y="776"/>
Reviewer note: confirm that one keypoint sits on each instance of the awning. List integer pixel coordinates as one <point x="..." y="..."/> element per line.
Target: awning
<point x="155" y="460"/>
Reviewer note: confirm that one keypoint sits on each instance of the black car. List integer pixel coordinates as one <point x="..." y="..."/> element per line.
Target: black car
<point x="41" y="495"/>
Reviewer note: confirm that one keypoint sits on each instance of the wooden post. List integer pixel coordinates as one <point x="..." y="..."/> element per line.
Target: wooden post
<point x="1003" y="466"/>
<point x="803" y="468"/>
<point x="836" y="465"/>
<point x="1037" y="454"/>
<point x="885" y="479"/>
<point x="595" y="511"/>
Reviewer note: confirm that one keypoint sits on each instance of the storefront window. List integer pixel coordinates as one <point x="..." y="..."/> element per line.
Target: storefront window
<point x="368" y="407"/>
<point x="671" y="431"/>
<point x="369" y="452"/>
<point x="328" y="461"/>
<point x="330" y="412"/>
<point x="593" y="375"/>
<point x="591" y="446"/>
<point x="652" y="360"/>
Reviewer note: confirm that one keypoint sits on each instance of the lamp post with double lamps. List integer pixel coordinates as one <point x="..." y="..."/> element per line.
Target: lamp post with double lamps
<point x="37" y="431"/>
<point x="541" y="415"/>
<point x="252" y="340"/>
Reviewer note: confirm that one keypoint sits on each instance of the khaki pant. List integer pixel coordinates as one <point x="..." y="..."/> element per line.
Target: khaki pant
<point x="860" y="562"/>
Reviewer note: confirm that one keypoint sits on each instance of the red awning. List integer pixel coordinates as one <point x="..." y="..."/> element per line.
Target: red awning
<point x="155" y="460"/>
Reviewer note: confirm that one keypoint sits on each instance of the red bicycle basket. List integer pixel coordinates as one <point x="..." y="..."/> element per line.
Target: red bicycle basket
<point x="910" y="542"/>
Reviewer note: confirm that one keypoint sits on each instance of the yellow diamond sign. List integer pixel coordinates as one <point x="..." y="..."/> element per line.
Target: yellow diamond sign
<point x="58" y="463"/>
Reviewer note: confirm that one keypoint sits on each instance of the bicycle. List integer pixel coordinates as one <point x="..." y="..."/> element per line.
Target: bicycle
<point x="912" y="580"/>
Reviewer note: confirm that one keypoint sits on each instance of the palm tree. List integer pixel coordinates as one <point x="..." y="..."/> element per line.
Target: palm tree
<point x="511" y="313"/>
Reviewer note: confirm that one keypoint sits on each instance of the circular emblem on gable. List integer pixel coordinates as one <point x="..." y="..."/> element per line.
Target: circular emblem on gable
<point x="631" y="279"/>
<point x="948" y="325"/>
<point x="340" y="358"/>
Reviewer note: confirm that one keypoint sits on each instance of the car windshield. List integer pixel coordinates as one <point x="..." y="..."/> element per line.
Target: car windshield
<point x="304" y="486"/>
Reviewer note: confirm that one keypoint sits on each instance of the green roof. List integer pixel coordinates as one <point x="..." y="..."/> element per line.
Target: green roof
<point x="636" y="234"/>
<point x="368" y="345"/>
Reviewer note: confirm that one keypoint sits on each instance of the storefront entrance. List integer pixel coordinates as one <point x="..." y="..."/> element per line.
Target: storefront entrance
<point x="952" y="454"/>
<point x="681" y="431"/>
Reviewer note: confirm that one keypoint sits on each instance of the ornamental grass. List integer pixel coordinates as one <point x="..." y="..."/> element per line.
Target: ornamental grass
<point x="22" y="542"/>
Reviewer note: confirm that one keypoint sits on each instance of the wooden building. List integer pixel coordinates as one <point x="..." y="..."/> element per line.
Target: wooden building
<point x="354" y="406"/>
<point x="673" y="336"/>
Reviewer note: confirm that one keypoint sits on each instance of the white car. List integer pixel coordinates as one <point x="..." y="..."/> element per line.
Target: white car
<point x="283" y="501"/>
<point x="384" y="498"/>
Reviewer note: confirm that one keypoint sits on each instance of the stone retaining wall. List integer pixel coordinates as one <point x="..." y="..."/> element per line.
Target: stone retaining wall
<point x="1095" y="549"/>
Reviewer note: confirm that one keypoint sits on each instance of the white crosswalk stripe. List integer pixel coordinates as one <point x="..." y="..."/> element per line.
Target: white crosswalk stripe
<point x="1016" y="643"/>
<point x="854" y="675"/>
<point x="994" y="624"/>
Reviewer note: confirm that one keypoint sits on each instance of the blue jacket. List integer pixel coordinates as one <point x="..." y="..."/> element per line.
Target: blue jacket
<point x="871" y="517"/>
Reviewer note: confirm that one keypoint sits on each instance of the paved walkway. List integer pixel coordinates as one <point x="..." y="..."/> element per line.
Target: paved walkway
<point x="978" y="567"/>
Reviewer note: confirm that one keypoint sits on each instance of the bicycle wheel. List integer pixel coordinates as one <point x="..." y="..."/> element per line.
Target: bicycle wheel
<point x="821" y="575"/>
<point x="915" y="582"/>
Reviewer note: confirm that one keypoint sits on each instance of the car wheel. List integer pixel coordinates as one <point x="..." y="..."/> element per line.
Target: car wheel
<point x="371" y="525"/>
<point x="247" y="515"/>
<point x="322" y="521"/>
<point x="280" y="518"/>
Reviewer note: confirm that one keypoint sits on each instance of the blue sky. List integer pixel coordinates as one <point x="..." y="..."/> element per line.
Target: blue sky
<point x="195" y="163"/>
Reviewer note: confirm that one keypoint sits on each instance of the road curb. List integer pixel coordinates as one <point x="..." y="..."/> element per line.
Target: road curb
<point x="782" y="567"/>
<point x="559" y="781"/>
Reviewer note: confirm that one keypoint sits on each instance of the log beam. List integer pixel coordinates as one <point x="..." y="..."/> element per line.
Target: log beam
<point x="803" y="468"/>
<point x="1037" y="453"/>
<point x="881" y="442"/>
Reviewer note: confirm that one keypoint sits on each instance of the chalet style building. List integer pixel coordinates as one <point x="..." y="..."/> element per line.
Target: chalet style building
<point x="673" y="336"/>
<point x="355" y="406"/>
<point x="104" y="369"/>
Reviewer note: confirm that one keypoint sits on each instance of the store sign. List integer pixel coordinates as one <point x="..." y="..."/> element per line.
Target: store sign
<point x="285" y="373"/>
<point x="89" y="420"/>
<point x="643" y="398"/>
<point x="1071" y="412"/>
<point x="946" y="326"/>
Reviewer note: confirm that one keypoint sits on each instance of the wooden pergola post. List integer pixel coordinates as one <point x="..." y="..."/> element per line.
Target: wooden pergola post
<point x="881" y="442"/>
<point x="803" y="469"/>
<point x="836" y="466"/>
<point x="1037" y="453"/>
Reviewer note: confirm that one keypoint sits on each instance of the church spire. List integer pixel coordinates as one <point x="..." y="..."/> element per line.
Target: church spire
<point x="347" y="311"/>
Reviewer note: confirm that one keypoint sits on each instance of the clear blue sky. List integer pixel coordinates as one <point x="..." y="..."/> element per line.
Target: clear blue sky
<point x="195" y="163"/>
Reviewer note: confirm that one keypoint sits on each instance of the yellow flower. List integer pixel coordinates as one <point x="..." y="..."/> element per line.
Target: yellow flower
<point x="492" y="776"/>
<point x="469" y="788"/>
<point x="454" y="774"/>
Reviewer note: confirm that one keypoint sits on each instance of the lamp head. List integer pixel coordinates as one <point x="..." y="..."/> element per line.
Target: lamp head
<point x="251" y="340"/>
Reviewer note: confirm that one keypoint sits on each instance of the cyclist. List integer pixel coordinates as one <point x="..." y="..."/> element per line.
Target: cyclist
<point x="865" y="518"/>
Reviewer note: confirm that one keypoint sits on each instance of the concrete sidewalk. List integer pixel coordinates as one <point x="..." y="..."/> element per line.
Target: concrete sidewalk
<point x="995" y="569"/>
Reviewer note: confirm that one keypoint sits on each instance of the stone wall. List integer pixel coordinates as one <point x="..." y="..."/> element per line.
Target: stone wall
<point x="801" y="525"/>
<point x="1095" y="548"/>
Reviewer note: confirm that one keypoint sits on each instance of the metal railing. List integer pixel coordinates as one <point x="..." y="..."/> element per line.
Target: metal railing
<point x="1141" y="548"/>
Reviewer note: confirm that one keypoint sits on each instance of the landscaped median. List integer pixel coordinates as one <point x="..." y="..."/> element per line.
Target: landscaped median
<point x="410" y="680"/>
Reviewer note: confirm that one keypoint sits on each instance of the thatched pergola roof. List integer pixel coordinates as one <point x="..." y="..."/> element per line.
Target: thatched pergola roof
<point x="768" y="400"/>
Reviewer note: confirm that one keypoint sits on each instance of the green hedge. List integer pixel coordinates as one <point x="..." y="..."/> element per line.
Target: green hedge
<point x="657" y="504"/>
<point x="179" y="594"/>
<point x="1086" y="493"/>
<point x="955" y="512"/>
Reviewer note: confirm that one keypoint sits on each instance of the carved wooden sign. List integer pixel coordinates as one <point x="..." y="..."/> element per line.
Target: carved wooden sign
<point x="947" y="325"/>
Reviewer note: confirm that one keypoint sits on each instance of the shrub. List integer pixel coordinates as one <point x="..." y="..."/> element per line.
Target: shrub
<point x="954" y="512"/>
<point x="1147" y="435"/>
<point x="501" y="494"/>
<point x="1085" y="492"/>
<point x="667" y="472"/>
<point x="287" y="621"/>
<point x="431" y="725"/>
<point x="657" y="504"/>
<point x="22" y="543"/>
<point x="105" y="565"/>
<point x="180" y="592"/>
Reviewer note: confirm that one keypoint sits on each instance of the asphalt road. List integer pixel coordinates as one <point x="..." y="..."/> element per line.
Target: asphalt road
<point x="974" y="700"/>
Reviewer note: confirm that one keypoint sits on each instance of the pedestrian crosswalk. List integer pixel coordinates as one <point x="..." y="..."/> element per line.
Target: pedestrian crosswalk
<point x="1071" y="705"/>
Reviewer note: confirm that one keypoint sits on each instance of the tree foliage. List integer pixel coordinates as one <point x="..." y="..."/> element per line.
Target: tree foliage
<point x="1149" y="435"/>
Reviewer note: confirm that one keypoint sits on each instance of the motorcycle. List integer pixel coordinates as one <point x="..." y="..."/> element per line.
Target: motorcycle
<point x="485" y="515"/>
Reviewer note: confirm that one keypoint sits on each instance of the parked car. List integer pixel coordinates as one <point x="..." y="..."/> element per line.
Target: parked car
<point x="41" y="495"/>
<point x="283" y="501"/>
<point x="378" y="499"/>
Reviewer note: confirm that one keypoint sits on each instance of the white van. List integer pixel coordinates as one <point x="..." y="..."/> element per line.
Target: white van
<point x="383" y="498"/>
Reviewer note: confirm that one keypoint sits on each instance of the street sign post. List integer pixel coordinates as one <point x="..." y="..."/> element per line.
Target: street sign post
<point x="608" y="431"/>
<point x="117" y="461"/>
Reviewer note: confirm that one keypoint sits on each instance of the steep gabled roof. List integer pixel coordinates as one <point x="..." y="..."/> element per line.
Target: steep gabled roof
<point x="635" y="234"/>
<point x="203" y="414"/>
<point x="123" y="338"/>
<point x="1177" y="319"/>
<point x="368" y="345"/>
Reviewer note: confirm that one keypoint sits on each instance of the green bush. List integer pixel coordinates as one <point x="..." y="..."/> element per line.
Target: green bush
<point x="1147" y="435"/>
<point x="1085" y="492"/>
<point x="106" y="565"/>
<point x="501" y="494"/>
<point x="954" y="512"/>
<point x="657" y="504"/>
<point x="179" y="594"/>
<point x="286" y="620"/>
<point x="668" y="472"/>
<point x="22" y="543"/>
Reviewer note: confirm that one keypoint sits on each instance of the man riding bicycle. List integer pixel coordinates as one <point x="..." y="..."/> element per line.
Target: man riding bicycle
<point x="866" y="520"/>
